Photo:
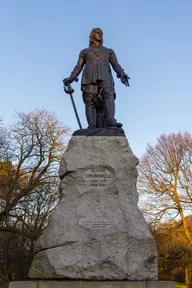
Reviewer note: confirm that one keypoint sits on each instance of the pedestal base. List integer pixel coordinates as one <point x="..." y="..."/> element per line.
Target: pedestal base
<point x="92" y="284"/>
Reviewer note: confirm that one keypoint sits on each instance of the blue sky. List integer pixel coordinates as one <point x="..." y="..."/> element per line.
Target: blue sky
<point x="41" y="40"/>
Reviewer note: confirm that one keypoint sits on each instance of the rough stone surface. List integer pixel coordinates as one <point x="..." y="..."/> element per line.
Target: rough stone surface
<point x="96" y="231"/>
<point x="94" y="284"/>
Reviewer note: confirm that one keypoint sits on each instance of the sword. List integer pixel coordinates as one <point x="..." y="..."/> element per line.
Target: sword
<point x="69" y="90"/>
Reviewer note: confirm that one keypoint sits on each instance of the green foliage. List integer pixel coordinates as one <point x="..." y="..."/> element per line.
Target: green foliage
<point x="179" y="285"/>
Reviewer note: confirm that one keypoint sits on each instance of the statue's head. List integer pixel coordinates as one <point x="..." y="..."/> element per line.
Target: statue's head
<point x="96" y="37"/>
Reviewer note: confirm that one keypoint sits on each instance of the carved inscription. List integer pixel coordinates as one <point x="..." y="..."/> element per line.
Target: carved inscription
<point x="98" y="177"/>
<point x="97" y="223"/>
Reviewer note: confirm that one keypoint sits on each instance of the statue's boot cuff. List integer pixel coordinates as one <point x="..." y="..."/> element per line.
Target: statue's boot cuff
<point x="92" y="127"/>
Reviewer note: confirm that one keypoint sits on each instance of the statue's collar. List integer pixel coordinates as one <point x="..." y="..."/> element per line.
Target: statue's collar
<point x="95" y="46"/>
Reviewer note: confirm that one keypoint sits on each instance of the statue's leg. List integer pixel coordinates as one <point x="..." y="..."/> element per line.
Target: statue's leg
<point x="108" y="93"/>
<point x="90" y="100"/>
<point x="109" y="101"/>
<point x="109" y="106"/>
<point x="90" y="110"/>
<point x="101" y="116"/>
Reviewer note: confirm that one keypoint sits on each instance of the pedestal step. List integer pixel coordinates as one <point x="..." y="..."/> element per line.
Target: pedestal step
<point x="92" y="284"/>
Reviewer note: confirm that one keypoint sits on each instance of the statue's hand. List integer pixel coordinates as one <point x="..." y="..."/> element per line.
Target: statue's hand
<point x="68" y="80"/>
<point x="125" y="79"/>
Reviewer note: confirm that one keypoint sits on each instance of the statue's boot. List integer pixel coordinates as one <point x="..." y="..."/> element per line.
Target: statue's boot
<point x="114" y="123"/>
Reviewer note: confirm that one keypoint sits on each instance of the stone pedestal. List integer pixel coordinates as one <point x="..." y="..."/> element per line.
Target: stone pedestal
<point x="93" y="284"/>
<point x="97" y="232"/>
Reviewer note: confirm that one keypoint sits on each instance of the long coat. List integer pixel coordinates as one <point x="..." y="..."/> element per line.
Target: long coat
<point x="96" y="62"/>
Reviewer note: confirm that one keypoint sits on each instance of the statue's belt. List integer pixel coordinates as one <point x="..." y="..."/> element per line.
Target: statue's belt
<point x="92" y="88"/>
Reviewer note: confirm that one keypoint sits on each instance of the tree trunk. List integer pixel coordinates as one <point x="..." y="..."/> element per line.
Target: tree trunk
<point x="188" y="275"/>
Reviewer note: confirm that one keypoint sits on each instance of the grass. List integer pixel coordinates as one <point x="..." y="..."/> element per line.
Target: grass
<point x="4" y="286"/>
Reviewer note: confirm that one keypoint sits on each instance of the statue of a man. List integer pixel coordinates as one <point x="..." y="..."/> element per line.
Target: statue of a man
<point x="97" y="83"/>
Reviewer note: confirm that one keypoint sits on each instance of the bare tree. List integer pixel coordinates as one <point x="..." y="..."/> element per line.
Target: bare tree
<point x="38" y="141"/>
<point x="28" y="186"/>
<point x="4" y="142"/>
<point x="165" y="180"/>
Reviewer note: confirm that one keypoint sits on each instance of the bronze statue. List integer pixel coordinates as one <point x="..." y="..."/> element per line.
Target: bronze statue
<point x="97" y="83"/>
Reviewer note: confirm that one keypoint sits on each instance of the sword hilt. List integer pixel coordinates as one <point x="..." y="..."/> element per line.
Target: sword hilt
<point x="68" y="89"/>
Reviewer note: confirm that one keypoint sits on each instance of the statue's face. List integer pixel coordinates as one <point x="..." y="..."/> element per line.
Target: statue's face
<point x="98" y="35"/>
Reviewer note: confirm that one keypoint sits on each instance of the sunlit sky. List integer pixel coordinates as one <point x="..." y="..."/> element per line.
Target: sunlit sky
<point x="41" y="40"/>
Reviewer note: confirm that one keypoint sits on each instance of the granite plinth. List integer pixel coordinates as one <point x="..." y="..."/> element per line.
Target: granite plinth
<point x="97" y="232"/>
